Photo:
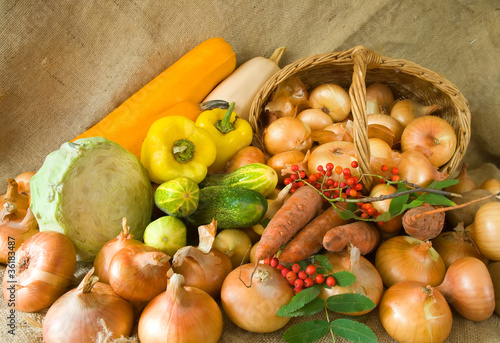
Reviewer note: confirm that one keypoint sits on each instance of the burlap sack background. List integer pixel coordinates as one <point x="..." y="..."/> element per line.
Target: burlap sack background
<point x="65" y="64"/>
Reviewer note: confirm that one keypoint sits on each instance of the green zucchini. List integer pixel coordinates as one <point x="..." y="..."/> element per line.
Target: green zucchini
<point x="257" y="176"/>
<point x="231" y="207"/>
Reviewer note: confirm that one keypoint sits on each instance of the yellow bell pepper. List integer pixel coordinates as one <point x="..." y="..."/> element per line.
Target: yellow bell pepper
<point x="175" y="146"/>
<point x="230" y="133"/>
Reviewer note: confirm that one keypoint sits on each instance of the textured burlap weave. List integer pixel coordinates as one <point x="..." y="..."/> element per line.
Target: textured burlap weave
<point x="65" y="64"/>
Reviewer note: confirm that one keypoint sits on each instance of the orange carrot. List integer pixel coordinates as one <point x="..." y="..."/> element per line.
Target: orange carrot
<point x="309" y="240"/>
<point x="297" y="211"/>
<point x="363" y="235"/>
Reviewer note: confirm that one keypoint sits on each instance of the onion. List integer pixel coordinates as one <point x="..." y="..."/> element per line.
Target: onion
<point x="452" y="245"/>
<point x="494" y="269"/>
<point x="13" y="234"/>
<point x="14" y="204"/>
<point x="388" y="122"/>
<point x="103" y="258"/>
<point x="382" y="154"/>
<point x="236" y="244"/>
<point x="280" y="160"/>
<point x="379" y="99"/>
<point x="315" y="118"/>
<point x="485" y="230"/>
<point x="468" y="288"/>
<point x="253" y="308"/>
<point x="23" y="182"/>
<point x="368" y="281"/>
<point x="411" y="311"/>
<point x="339" y="153"/>
<point x="331" y="99"/>
<point x="288" y="99"/>
<point x="343" y="129"/>
<point x="286" y="134"/>
<point x="406" y="110"/>
<point x="415" y="168"/>
<point x="465" y="183"/>
<point x="75" y="315"/>
<point x="203" y="267"/>
<point x="138" y="272"/>
<point x="253" y="259"/>
<point x="42" y="269"/>
<point x="394" y="225"/>
<point x="433" y="135"/>
<point x="492" y="185"/>
<point x="404" y="258"/>
<point x="181" y="314"/>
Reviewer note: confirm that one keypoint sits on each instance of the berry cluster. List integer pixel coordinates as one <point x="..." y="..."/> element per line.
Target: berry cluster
<point x="300" y="278"/>
<point x="394" y="171"/>
<point x="349" y="186"/>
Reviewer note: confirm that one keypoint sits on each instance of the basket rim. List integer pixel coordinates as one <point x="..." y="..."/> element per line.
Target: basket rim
<point x="369" y="61"/>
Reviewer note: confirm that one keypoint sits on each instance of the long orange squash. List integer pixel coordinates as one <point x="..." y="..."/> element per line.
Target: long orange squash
<point x="190" y="79"/>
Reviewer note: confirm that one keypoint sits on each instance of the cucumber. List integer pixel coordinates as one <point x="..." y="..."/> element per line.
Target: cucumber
<point x="232" y="207"/>
<point x="256" y="176"/>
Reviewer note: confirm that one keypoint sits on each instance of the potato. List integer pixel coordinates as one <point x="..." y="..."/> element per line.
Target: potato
<point x="247" y="155"/>
<point x="468" y="213"/>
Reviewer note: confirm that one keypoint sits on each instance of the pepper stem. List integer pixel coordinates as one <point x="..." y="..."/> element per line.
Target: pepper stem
<point x="183" y="150"/>
<point x="225" y="124"/>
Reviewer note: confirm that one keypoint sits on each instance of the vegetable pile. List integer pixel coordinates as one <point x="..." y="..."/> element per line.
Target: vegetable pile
<point x="183" y="216"/>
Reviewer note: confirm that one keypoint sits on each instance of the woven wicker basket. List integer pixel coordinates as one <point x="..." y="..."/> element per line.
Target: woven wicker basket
<point x="354" y="69"/>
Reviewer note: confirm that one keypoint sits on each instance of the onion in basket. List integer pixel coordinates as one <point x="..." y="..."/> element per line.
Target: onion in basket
<point x="286" y="134"/>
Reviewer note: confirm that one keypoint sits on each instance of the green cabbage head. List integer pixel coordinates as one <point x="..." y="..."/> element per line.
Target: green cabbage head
<point x="85" y="188"/>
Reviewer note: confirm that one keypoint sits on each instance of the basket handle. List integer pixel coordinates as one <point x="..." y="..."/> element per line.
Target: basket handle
<point x="363" y="60"/>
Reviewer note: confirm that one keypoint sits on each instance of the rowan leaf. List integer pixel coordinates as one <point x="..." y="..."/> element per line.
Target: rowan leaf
<point x="307" y="332"/>
<point x="349" y="303"/>
<point x="299" y="301"/>
<point x="353" y="331"/>
<point x="433" y="199"/>
<point x="313" y="307"/>
<point x="344" y="278"/>
<point x="443" y="184"/>
<point x="397" y="204"/>
<point x="324" y="262"/>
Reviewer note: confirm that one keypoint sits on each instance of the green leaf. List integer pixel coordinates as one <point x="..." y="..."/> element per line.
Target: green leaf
<point x="435" y="199"/>
<point x="313" y="307"/>
<point x="264" y="222"/>
<point x="353" y="331"/>
<point x="346" y="214"/>
<point x="344" y="278"/>
<point x="303" y="265"/>
<point x="321" y="270"/>
<point x="443" y="184"/>
<point x="307" y="332"/>
<point x="349" y="303"/>
<point x="324" y="262"/>
<point x="299" y="300"/>
<point x="384" y="217"/>
<point x="396" y="206"/>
